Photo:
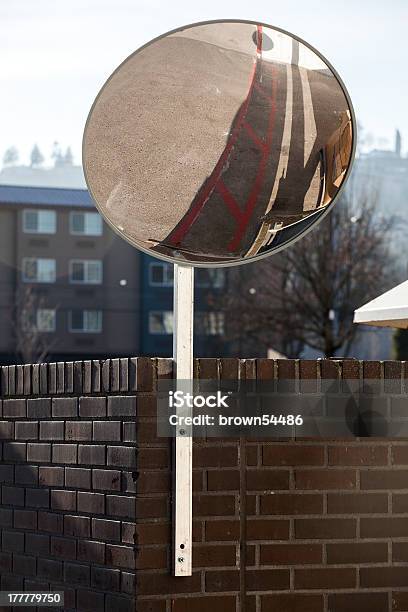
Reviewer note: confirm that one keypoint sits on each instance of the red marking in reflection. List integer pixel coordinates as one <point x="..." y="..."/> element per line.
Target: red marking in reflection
<point x="189" y="218"/>
<point x="230" y="201"/>
<point x="215" y="181"/>
<point x="262" y="91"/>
<point x="259" y="143"/>
<point x="259" y="39"/>
<point x="253" y="196"/>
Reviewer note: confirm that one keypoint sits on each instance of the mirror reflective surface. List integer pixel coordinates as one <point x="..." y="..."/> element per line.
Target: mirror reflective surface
<point x="218" y="143"/>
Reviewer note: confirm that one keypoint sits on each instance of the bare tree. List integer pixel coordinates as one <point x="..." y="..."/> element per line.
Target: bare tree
<point x="32" y="329"/>
<point x="306" y="296"/>
<point x="252" y="311"/>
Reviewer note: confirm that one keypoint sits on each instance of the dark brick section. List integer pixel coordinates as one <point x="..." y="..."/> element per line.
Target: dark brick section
<point x="66" y="480"/>
<point x="312" y="525"/>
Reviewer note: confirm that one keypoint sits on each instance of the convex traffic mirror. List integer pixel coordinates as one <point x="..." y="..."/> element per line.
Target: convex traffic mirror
<point x="218" y="143"/>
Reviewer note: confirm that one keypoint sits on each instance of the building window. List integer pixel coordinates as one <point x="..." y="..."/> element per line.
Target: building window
<point x="205" y="323"/>
<point x="39" y="221"/>
<point x="209" y="323"/>
<point x="85" y="271"/>
<point x="85" y="224"/>
<point x="38" y="270"/>
<point x="161" y="274"/>
<point x="161" y="322"/>
<point x="88" y="321"/>
<point x="46" y="319"/>
<point x="210" y="277"/>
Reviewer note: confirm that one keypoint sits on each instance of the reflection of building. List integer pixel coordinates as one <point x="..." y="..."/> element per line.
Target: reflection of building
<point x="87" y="293"/>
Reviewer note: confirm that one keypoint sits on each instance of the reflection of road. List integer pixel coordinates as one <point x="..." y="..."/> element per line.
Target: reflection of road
<point x="161" y="123"/>
<point x="270" y="168"/>
<point x="226" y="211"/>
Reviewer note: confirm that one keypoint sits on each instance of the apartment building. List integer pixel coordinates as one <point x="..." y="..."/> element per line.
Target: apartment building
<point x="67" y="282"/>
<point x="71" y="289"/>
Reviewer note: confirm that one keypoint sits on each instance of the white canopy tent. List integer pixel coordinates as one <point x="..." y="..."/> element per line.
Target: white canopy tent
<point x="388" y="310"/>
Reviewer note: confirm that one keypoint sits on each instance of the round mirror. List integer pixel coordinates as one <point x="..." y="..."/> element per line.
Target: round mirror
<point x="218" y="143"/>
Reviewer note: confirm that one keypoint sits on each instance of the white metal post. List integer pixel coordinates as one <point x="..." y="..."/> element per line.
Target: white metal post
<point x="183" y="443"/>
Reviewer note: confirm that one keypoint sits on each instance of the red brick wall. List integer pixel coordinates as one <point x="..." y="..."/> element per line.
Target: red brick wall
<point x="306" y="525"/>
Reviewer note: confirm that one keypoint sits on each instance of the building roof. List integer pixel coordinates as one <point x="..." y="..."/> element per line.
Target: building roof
<point x="45" y="196"/>
<point x="388" y="310"/>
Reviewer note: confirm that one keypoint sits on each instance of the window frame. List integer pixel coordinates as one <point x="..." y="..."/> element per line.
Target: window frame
<point x="84" y="214"/>
<point x="38" y="211"/>
<point x="214" y="283"/>
<point x="37" y="259"/>
<point x="86" y="263"/>
<point x="54" y="321"/>
<point x="85" y="331"/>
<point x="165" y="267"/>
<point x="203" y="319"/>
<point x="160" y="333"/>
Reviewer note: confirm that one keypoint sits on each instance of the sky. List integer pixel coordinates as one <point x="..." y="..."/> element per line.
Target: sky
<point x="56" y="55"/>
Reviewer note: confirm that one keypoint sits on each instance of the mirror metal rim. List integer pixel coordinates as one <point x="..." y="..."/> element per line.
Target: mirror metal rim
<point x="272" y="251"/>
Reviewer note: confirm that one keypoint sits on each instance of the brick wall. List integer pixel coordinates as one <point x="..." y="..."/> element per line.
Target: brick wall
<point x="298" y="525"/>
<point x="68" y="475"/>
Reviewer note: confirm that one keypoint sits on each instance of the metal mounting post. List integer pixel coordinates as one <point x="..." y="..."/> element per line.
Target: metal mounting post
<point x="183" y="442"/>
